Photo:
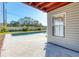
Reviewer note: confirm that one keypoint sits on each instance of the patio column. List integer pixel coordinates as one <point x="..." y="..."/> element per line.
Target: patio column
<point x="4" y="14"/>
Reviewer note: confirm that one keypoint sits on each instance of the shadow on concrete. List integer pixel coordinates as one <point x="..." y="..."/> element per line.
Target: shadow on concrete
<point x="56" y="51"/>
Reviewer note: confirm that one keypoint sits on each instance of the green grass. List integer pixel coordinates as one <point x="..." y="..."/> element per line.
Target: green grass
<point x="20" y="32"/>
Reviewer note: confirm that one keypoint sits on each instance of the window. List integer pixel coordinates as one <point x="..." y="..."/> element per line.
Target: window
<point x="58" y="25"/>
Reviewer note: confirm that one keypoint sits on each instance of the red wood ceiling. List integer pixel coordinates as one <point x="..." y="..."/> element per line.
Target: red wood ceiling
<point x="47" y="6"/>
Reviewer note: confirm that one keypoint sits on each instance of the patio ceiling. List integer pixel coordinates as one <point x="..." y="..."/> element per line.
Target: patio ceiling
<point x="47" y="6"/>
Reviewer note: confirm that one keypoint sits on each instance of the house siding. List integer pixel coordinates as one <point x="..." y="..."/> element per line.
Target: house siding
<point x="71" y="39"/>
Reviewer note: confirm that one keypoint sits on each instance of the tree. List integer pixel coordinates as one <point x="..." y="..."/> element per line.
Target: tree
<point x="27" y="23"/>
<point x="35" y="23"/>
<point x="14" y="23"/>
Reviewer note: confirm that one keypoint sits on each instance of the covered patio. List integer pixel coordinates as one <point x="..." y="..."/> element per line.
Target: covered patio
<point x="65" y="44"/>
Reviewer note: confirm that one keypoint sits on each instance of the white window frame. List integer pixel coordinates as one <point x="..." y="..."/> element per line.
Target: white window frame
<point x="53" y="29"/>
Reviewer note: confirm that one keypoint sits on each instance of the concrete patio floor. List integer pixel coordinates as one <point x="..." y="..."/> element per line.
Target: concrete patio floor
<point x="24" y="46"/>
<point x="33" y="46"/>
<point x="56" y="51"/>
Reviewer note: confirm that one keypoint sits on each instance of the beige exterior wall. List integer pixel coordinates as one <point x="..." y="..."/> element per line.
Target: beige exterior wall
<point x="71" y="39"/>
<point x="1" y="42"/>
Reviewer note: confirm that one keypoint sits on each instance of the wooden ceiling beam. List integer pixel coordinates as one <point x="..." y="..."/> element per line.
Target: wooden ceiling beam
<point x="30" y="3"/>
<point x="40" y="3"/>
<point x="47" y="5"/>
<point x="56" y="6"/>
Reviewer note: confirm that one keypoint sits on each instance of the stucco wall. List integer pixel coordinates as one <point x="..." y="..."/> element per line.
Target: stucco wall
<point x="71" y="39"/>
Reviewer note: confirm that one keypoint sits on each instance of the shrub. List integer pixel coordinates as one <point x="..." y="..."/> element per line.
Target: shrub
<point x="4" y="29"/>
<point x="25" y="28"/>
<point x="39" y="29"/>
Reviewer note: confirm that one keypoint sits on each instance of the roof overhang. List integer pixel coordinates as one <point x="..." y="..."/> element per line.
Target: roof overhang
<point x="47" y="6"/>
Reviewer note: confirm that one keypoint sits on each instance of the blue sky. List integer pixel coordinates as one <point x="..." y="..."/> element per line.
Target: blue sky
<point x="17" y="10"/>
